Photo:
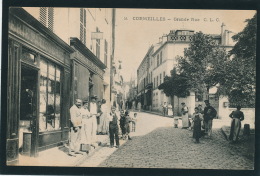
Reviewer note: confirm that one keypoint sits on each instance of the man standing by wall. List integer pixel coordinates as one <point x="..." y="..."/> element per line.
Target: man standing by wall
<point x="209" y="114"/>
<point x="76" y="123"/>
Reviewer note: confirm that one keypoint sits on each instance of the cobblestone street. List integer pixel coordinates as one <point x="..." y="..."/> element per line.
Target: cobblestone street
<point x="156" y="144"/>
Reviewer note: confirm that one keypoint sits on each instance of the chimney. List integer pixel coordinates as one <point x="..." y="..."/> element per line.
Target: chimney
<point x="164" y="38"/>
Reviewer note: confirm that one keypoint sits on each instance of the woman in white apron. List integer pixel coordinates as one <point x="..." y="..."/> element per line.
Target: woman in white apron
<point x="86" y="124"/>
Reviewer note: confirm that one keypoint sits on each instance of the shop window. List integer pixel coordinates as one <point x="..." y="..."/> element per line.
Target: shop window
<point x="50" y="100"/>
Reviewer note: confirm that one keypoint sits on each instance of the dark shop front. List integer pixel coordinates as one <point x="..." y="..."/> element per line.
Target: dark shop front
<point x="87" y="72"/>
<point x="38" y="87"/>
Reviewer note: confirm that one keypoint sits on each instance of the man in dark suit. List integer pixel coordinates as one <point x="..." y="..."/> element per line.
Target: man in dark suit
<point x="113" y="128"/>
<point x="209" y="114"/>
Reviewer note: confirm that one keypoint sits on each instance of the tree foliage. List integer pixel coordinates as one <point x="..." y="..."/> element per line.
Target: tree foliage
<point x="203" y="62"/>
<point x="239" y="84"/>
<point x="175" y="85"/>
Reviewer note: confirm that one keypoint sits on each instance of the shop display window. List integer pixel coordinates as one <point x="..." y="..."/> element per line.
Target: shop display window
<point x="50" y="92"/>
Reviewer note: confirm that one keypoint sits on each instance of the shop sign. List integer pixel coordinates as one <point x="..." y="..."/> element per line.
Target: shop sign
<point x="35" y="38"/>
<point x="88" y="63"/>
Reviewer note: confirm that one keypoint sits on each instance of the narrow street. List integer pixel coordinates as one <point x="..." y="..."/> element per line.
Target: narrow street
<point x="156" y="144"/>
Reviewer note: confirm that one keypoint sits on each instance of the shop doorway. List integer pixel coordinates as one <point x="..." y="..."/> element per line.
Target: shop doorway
<point x="28" y="111"/>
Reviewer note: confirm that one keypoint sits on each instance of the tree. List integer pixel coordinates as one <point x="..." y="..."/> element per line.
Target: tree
<point x="175" y="85"/>
<point x="203" y="63"/>
<point x="240" y="80"/>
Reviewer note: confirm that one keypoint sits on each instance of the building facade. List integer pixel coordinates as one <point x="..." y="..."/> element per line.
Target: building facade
<point x="39" y="82"/>
<point x="55" y="55"/>
<point x="158" y="62"/>
<point x="94" y="28"/>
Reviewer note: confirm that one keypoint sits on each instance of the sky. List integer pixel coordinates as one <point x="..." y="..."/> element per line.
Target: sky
<point x="134" y="36"/>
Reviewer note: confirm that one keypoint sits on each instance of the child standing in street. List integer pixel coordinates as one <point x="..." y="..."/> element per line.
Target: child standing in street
<point x="122" y="124"/>
<point x="127" y="126"/>
<point x="134" y="121"/>
<point x="197" y="118"/>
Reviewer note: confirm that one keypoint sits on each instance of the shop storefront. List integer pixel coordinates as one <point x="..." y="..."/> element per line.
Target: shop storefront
<point x="87" y="72"/>
<point x="39" y="76"/>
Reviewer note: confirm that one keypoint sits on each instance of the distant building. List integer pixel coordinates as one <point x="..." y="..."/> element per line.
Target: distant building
<point x="160" y="59"/>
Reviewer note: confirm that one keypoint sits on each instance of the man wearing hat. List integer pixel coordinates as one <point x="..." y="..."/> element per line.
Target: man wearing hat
<point x="93" y="112"/>
<point x="76" y="123"/>
<point x="209" y="114"/>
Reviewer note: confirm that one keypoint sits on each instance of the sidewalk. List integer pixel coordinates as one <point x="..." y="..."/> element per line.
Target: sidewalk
<point x="58" y="156"/>
<point x="154" y="112"/>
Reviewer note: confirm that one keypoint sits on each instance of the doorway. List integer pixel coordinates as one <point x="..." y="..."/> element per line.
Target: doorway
<point x="28" y="111"/>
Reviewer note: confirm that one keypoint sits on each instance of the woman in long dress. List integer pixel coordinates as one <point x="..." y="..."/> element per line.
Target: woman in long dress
<point x="86" y="124"/>
<point x="197" y="118"/>
<point x="185" y="117"/>
<point x="170" y="112"/>
<point x="104" y="126"/>
<point x="237" y="116"/>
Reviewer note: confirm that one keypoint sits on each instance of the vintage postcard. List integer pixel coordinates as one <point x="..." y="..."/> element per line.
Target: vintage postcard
<point x="131" y="88"/>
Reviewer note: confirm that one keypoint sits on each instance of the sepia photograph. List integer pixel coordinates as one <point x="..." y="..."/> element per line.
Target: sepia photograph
<point x="131" y="88"/>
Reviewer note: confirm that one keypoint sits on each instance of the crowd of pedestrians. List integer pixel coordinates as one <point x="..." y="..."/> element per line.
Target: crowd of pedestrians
<point x="201" y="121"/>
<point x="89" y="119"/>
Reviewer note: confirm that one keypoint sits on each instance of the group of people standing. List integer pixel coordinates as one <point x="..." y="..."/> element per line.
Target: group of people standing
<point x="95" y="118"/>
<point x="201" y="119"/>
<point x="167" y="109"/>
<point x="87" y="120"/>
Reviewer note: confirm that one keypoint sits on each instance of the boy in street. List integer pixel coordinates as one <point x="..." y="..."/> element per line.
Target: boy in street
<point x="122" y="124"/>
<point x="113" y="128"/>
<point x="134" y="121"/>
<point x="127" y="125"/>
